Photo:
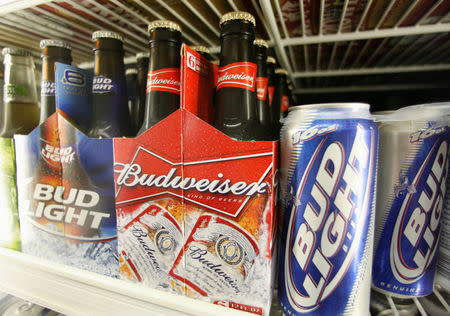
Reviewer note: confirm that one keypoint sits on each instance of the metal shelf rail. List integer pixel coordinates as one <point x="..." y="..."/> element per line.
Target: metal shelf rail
<point x="361" y="50"/>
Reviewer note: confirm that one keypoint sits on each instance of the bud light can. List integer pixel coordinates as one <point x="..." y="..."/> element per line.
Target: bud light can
<point x="411" y="187"/>
<point x="328" y="172"/>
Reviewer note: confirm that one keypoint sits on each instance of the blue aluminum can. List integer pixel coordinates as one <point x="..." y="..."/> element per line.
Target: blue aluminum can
<point x="413" y="166"/>
<point x="328" y="171"/>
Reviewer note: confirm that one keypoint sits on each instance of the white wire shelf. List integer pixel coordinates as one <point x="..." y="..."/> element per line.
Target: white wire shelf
<point x="320" y="38"/>
<point x="75" y="292"/>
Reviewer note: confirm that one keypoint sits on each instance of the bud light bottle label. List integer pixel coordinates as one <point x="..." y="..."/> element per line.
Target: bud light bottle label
<point x="412" y="181"/>
<point x="328" y="169"/>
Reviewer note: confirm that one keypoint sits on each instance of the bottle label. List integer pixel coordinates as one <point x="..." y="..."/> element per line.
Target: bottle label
<point x="284" y="103"/>
<point x="238" y="75"/>
<point x="48" y="88"/>
<point x="12" y="90"/>
<point x="103" y="85"/>
<point x="167" y="80"/>
<point x="261" y="87"/>
<point x="271" y="91"/>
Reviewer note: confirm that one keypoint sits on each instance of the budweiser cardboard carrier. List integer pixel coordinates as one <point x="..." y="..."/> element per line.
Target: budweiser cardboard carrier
<point x="195" y="209"/>
<point x="65" y="184"/>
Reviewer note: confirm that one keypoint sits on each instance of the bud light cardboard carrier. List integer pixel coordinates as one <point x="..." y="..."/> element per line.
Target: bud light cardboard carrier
<point x="66" y="184"/>
<point x="413" y="168"/>
<point x="195" y="208"/>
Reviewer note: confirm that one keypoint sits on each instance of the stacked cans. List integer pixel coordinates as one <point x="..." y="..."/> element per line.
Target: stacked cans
<point x="410" y="198"/>
<point x="328" y="169"/>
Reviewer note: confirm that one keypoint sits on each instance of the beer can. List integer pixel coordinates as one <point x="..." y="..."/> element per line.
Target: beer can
<point x="443" y="265"/>
<point x="413" y="165"/>
<point x="328" y="171"/>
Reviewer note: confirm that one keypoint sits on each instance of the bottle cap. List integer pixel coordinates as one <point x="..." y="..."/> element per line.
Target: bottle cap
<point x="271" y="60"/>
<point x="106" y="34"/>
<point x="237" y="15"/>
<point x="131" y="71"/>
<point x="201" y="49"/>
<point x="260" y="42"/>
<point x="142" y="55"/>
<point x="16" y="51"/>
<point x="55" y="43"/>
<point x="281" y="71"/>
<point x="165" y="24"/>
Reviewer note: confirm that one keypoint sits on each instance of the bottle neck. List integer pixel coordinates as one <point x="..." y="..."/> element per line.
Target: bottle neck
<point x="50" y="56"/>
<point x="261" y="57"/>
<point x="270" y="68"/>
<point x="20" y="83"/>
<point x="236" y="42"/>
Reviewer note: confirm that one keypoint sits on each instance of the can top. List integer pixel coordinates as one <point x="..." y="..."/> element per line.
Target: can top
<point x="106" y="34"/>
<point x="54" y="43"/>
<point x="163" y="24"/>
<point x="201" y="49"/>
<point x="349" y="105"/>
<point x="331" y="111"/>
<point x="439" y="111"/>
<point x="16" y="51"/>
<point x="131" y="71"/>
<point x="281" y="71"/>
<point x="271" y="60"/>
<point x="142" y="55"/>
<point x="260" y="42"/>
<point x="237" y="15"/>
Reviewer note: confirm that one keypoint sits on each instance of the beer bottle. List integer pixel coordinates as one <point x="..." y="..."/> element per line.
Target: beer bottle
<point x="235" y="112"/>
<point x="270" y="64"/>
<point x="137" y="114"/>
<point x="52" y="51"/>
<point x="280" y="103"/>
<point x="204" y="51"/>
<point x="163" y="82"/>
<point x="132" y="93"/>
<point x="110" y="115"/>
<point x="262" y="81"/>
<point x="20" y="103"/>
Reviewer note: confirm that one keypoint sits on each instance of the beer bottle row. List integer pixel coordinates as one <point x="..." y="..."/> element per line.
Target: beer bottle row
<point x="250" y="99"/>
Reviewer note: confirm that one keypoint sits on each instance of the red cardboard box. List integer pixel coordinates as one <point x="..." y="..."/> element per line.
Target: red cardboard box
<point x="195" y="209"/>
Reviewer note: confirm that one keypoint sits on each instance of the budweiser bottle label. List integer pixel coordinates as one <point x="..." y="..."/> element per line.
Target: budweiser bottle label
<point x="218" y="257"/>
<point x="284" y="103"/>
<point x="149" y="245"/>
<point x="261" y="87"/>
<point x="271" y="90"/>
<point x="238" y="75"/>
<point x="167" y="80"/>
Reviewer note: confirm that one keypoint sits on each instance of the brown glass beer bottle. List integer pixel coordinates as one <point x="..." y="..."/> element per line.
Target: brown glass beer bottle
<point x="262" y="83"/>
<point x="110" y="116"/>
<point x="52" y="51"/>
<point x="235" y="97"/>
<point x="137" y="113"/>
<point x="163" y="81"/>
<point x="280" y="103"/>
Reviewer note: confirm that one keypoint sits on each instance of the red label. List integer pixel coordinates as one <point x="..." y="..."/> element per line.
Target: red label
<point x="284" y="103"/>
<point x="238" y="75"/>
<point x="167" y="80"/>
<point x="261" y="87"/>
<point x="271" y="91"/>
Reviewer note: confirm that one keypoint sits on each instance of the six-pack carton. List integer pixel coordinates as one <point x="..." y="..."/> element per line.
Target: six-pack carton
<point x="194" y="208"/>
<point x="66" y="185"/>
